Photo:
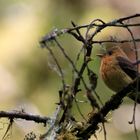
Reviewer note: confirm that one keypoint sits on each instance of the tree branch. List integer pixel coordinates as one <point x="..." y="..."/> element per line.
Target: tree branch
<point x="25" y="116"/>
<point x="111" y="104"/>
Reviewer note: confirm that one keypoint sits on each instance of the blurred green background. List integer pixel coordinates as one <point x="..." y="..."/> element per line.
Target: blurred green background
<point x="26" y="80"/>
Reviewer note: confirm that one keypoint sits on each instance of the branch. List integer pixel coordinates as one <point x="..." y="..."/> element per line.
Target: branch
<point x="25" y="116"/>
<point x="112" y="104"/>
<point x="115" y="41"/>
<point x="115" y="23"/>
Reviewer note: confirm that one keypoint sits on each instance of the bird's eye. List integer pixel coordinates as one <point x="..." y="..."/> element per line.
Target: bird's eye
<point x="109" y="52"/>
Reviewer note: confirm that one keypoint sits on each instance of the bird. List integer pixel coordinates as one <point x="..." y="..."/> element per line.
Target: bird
<point x="117" y="70"/>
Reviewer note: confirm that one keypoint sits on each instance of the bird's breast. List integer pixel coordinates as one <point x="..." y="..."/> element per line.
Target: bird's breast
<point x="114" y="77"/>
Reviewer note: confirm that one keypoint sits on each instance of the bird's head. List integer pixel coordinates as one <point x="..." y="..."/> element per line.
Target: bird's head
<point x="112" y="52"/>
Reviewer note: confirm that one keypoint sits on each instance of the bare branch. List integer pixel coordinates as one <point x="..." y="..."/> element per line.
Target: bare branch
<point x="25" y="116"/>
<point x="115" y="23"/>
<point x="115" y="41"/>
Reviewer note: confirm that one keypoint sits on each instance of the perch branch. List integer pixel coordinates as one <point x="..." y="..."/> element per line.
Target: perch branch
<point x="111" y="104"/>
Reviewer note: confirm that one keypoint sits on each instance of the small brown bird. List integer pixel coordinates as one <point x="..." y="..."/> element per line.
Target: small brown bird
<point x="117" y="70"/>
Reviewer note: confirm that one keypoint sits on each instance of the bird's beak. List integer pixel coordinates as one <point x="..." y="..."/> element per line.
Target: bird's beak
<point x="100" y="55"/>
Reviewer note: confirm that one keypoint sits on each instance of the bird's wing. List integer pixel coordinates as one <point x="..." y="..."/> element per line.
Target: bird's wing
<point x="127" y="66"/>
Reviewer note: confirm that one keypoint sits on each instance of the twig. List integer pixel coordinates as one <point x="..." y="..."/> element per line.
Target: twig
<point x="8" y="128"/>
<point x="25" y="116"/>
<point x="104" y="130"/>
<point x="79" y="110"/>
<point x="110" y="24"/>
<point x="51" y="36"/>
<point x="114" y="41"/>
<point x="57" y="64"/>
<point x="66" y="56"/>
<point x="128" y="17"/>
<point x="137" y="85"/>
<point x="51" y="132"/>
